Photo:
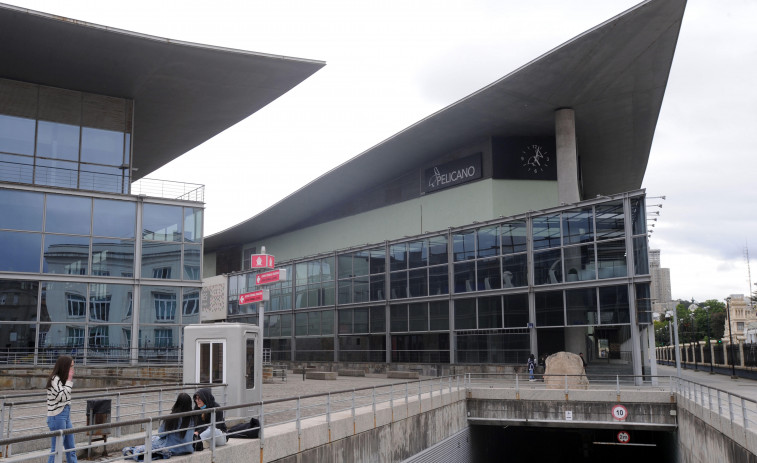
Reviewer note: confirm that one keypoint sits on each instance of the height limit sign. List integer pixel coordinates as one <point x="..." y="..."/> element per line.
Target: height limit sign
<point x="619" y="412"/>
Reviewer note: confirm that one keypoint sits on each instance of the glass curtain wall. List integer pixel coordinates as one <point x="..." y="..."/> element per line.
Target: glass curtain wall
<point x="408" y="298"/>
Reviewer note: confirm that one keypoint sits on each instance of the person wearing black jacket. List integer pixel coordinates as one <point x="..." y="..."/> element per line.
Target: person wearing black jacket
<point x="203" y="399"/>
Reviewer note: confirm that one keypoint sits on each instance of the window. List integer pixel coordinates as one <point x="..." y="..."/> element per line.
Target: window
<point x="99" y="308"/>
<point x="163" y="273"/>
<point x="210" y="362"/>
<point x="165" y="307"/>
<point x="739" y="326"/>
<point x="98" y="336"/>
<point x="75" y="336"/>
<point x="163" y="338"/>
<point x="77" y="306"/>
<point x="191" y="303"/>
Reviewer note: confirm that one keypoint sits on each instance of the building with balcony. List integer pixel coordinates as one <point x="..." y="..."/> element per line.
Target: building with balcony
<point x="96" y="260"/>
<point x="510" y="222"/>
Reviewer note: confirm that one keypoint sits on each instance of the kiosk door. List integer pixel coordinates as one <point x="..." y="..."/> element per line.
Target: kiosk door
<point x="211" y="363"/>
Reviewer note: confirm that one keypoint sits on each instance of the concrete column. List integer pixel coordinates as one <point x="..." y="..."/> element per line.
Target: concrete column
<point x="651" y="353"/>
<point x="741" y="353"/>
<point x="567" y="157"/>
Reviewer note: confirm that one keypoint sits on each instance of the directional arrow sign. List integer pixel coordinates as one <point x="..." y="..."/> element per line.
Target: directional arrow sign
<point x="262" y="261"/>
<point x="268" y="278"/>
<point x="255" y="296"/>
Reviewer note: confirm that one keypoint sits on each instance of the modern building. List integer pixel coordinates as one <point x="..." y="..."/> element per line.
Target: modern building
<point x="92" y="263"/>
<point x="508" y="223"/>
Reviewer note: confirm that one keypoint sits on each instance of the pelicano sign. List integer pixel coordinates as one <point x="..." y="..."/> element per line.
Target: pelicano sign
<point x="452" y="173"/>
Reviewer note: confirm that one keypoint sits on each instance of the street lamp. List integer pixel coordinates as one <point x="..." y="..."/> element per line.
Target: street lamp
<point x="709" y="341"/>
<point x="694" y="338"/>
<point x="730" y="337"/>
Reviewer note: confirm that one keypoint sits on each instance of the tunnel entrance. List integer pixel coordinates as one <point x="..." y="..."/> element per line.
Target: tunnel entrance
<point x="547" y="445"/>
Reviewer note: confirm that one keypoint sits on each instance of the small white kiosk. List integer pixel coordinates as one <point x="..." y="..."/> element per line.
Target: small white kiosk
<point x="226" y="353"/>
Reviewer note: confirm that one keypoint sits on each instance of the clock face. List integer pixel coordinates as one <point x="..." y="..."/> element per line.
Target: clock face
<point x="535" y="158"/>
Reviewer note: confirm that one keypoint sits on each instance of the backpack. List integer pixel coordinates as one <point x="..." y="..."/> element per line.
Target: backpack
<point x="249" y="430"/>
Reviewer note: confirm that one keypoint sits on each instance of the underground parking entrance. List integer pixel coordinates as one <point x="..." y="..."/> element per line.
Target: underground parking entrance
<point x="549" y="444"/>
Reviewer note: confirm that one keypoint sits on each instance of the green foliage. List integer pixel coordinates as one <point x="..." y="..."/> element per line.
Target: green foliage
<point x="693" y="325"/>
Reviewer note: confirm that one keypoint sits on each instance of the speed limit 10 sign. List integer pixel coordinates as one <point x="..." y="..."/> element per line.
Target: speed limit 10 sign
<point x="619" y="412"/>
<point x="624" y="437"/>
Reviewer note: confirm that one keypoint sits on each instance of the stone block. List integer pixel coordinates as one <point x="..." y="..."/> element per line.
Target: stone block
<point x="398" y="374"/>
<point x="323" y="375"/>
<point x="563" y="366"/>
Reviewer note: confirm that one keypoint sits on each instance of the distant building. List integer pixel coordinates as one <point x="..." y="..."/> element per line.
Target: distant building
<point x="661" y="294"/>
<point x="742" y="315"/>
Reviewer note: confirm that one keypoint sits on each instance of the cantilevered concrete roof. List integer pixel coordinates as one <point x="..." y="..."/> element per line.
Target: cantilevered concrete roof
<point x="184" y="93"/>
<point x="613" y="76"/>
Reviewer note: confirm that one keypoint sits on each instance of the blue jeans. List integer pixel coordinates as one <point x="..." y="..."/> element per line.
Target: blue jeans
<point x="62" y="421"/>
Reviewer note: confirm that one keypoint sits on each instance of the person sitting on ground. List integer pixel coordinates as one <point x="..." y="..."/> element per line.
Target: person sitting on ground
<point x="204" y="399"/>
<point x="172" y="432"/>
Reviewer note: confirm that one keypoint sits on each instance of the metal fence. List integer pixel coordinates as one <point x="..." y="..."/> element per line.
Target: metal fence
<point x="737" y="409"/>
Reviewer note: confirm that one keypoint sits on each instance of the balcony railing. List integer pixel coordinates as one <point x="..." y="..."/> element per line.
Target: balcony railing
<point x="84" y="179"/>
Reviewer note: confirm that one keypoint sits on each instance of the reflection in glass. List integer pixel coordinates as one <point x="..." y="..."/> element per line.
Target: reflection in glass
<point x="112" y="257"/>
<point x="579" y="263"/>
<point x="547" y="267"/>
<point x="610" y="220"/>
<point x="638" y="216"/>
<point x="67" y="255"/>
<point x="52" y="172"/>
<point x="640" y="255"/>
<point x="192" y="255"/>
<point x="18" y="301"/>
<point x="417" y="283"/>
<point x="465" y="277"/>
<point x="68" y="214"/>
<point x="327" y="322"/>
<point x="63" y="301"/>
<point x="161" y="261"/>
<point x="58" y="141"/>
<point x="546" y="231"/>
<point x="18" y="342"/>
<point x="314" y="323"/>
<point x="360" y="263"/>
<point x="114" y="218"/>
<point x="489" y="312"/>
<point x="158" y="304"/>
<point x="438" y="315"/>
<point x="345" y="321"/>
<point x="398" y="257"/>
<point x="378" y="261"/>
<point x="193" y="224"/>
<point x="513" y="236"/>
<point x="110" y="303"/>
<point x="377" y="288"/>
<point x="488" y="275"/>
<point x="18" y="169"/>
<point x="418" y="254"/>
<point x="464" y="245"/>
<point x="437" y="247"/>
<point x="578" y="226"/>
<point x="59" y="339"/>
<point x="437" y="281"/>
<point x="102" y="146"/>
<point x="161" y="222"/>
<point x="611" y="259"/>
<point x="488" y="241"/>
<point x="398" y="285"/>
<point x="101" y="178"/>
<point x="190" y="306"/>
<point x="21" y="210"/>
<point x="19" y="252"/>
<point x="378" y="319"/>
<point x="344" y="262"/>
<point x="514" y="271"/>
<point x="16" y="135"/>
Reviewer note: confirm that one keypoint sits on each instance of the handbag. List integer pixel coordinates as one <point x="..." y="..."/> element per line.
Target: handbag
<point x="197" y="443"/>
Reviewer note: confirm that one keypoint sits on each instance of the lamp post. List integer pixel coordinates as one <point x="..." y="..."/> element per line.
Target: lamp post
<point x="694" y="338"/>
<point x="730" y="337"/>
<point x="677" y="348"/>
<point x="709" y="341"/>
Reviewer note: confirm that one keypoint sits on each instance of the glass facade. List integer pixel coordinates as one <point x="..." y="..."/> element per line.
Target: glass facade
<point x="473" y="288"/>
<point x="63" y="138"/>
<point x="71" y="282"/>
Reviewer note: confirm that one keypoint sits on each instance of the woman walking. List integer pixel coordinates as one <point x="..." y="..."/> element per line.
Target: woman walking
<point x="172" y="432"/>
<point x="59" y="405"/>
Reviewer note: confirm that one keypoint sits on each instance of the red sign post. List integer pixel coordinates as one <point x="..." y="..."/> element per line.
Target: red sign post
<point x="262" y="261"/>
<point x="268" y="278"/>
<point x="255" y="296"/>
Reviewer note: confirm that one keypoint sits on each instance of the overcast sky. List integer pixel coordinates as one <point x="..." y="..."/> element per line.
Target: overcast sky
<point x="392" y="63"/>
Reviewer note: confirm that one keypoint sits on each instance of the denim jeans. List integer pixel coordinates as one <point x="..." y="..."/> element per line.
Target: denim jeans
<point x="62" y="421"/>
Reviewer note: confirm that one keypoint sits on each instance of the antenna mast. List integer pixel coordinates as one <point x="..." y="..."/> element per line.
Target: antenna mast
<point x="748" y="271"/>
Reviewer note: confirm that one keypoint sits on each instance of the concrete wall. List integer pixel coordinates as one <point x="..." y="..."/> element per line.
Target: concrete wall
<point x="704" y="437"/>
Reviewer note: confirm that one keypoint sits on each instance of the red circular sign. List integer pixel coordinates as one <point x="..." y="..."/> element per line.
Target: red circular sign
<point x="619" y="412"/>
<point x="624" y="437"/>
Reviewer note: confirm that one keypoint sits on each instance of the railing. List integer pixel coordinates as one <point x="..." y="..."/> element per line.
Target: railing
<point x="25" y="414"/>
<point x="169" y="189"/>
<point x="269" y="413"/>
<point x="599" y="382"/>
<point x="735" y="408"/>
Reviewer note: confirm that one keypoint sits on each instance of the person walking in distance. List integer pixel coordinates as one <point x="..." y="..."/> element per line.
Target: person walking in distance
<point x="59" y="404"/>
<point x="531" y="367"/>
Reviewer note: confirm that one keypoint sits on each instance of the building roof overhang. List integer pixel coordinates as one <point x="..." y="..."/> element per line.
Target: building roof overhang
<point x="184" y="93"/>
<point x="613" y="75"/>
